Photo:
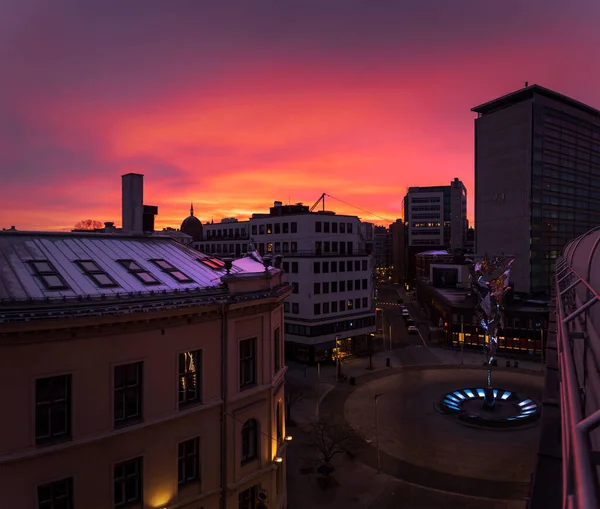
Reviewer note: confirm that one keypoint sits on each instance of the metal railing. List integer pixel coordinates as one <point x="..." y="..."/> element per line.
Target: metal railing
<point x="575" y="298"/>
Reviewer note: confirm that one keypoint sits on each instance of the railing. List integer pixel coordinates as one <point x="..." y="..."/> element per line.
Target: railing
<point x="575" y="298"/>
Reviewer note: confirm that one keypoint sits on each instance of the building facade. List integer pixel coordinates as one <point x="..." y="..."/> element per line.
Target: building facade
<point x="398" y="251"/>
<point x="537" y="179"/>
<point x="329" y="262"/>
<point x="435" y="218"/>
<point x="139" y="373"/>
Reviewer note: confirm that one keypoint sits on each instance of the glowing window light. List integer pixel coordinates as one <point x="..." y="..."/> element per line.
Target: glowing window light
<point x="520" y="416"/>
<point x="451" y="404"/>
<point x="495" y="393"/>
<point x="522" y="403"/>
<point x="528" y="412"/>
<point x="452" y="398"/>
<point x="529" y="407"/>
<point x="506" y="395"/>
<point x="481" y="393"/>
<point x="460" y="395"/>
<point x="469" y="393"/>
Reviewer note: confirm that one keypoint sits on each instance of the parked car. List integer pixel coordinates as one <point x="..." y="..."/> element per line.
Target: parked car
<point x="412" y="329"/>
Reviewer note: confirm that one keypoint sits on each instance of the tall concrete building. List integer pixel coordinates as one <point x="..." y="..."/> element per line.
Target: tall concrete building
<point x="537" y="179"/>
<point x="435" y="218"/>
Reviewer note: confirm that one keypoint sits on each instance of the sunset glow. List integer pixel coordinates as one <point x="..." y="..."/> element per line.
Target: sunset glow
<point x="233" y="109"/>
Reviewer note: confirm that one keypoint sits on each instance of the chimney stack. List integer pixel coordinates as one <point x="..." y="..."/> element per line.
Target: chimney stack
<point x="133" y="203"/>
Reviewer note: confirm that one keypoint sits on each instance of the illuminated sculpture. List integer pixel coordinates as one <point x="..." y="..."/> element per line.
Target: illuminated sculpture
<point x="489" y="282"/>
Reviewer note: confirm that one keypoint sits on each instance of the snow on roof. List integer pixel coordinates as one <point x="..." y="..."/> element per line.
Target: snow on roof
<point x="21" y="280"/>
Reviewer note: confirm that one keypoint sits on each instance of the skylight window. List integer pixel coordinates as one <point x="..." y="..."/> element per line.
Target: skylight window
<point x="139" y="272"/>
<point x="48" y="275"/>
<point x="96" y="274"/>
<point x="213" y="263"/>
<point x="174" y="272"/>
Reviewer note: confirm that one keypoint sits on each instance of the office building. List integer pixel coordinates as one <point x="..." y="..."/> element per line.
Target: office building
<point x="435" y="218"/>
<point x="327" y="259"/>
<point x="537" y="179"/>
<point x="138" y="371"/>
<point x="398" y="251"/>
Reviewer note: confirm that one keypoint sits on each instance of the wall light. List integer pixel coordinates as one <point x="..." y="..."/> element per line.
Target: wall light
<point x="288" y="438"/>
<point x="277" y="459"/>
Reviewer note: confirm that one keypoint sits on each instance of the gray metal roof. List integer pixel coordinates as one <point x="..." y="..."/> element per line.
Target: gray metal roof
<point x="20" y="282"/>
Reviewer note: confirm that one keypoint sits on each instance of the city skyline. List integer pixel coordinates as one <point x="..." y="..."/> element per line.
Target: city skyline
<point x="232" y="109"/>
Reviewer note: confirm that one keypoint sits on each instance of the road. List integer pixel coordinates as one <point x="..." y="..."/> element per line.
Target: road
<point x="409" y="349"/>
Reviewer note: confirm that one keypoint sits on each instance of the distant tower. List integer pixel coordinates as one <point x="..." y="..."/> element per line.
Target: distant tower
<point x="192" y="225"/>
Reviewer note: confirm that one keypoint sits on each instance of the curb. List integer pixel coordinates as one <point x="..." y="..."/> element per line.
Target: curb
<point x="321" y="398"/>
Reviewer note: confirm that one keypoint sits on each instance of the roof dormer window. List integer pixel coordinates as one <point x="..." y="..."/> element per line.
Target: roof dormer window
<point x="48" y="274"/>
<point x="139" y="272"/>
<point x="174" y="272"/>
<point x="96" y="274"/>
<point x="213" y="263"/>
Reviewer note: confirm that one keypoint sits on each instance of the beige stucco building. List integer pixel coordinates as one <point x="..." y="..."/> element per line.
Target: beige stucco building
<point x="137" y="372"/>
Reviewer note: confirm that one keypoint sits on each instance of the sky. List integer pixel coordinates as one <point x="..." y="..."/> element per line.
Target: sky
<point x="232" y="105"/>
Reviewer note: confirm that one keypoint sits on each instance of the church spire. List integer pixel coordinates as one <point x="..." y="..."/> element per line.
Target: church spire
<point x="192" y="209"/>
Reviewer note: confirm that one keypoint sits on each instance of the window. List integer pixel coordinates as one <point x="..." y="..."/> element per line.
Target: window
<point x="325" y="308"/>
<point x="277" y="350"/>
<point x="190" y="378"/>
<point x="334" y="227"/>
<point x="295" y="288"/>
<point x="295" y="308"/>
<point x="279" y="422"/>
<point x="286" y="266"/>
<point x="294" y="246"/>
<point x="357" y="284"/>
<point x="349" y="265"/>
<point x="342" y="267"/>
<point x="317" y="288"/>
<point x="128" y="483"/>
<point x="334" y="246"/>
<point x="364" y="265"/>
<point x="334" y="286"/>
<point x="349" y="285"/>
<point x="342" y="286"/>
<point x="49" y="276"/>
<point x="56" y="495"/>
<point x="261" y="229"/>
<point x="294" y="227"/>
<point x="254" y="229"/>
<point x="278" y="247"/>
<point x="277" y="228"/>
<point x="127" y="394"/>
<point x="350" y="304"/>
<point x="317" y="308"/>
<point x="249" y="441"/>
<point x="333" y="266"/>
<point x="247" y="363"/>
<point x="365" y="302"/>
<point x="349" y="227"/>
<point x="285" y="227"/>
<point x="286" y="307"/>
<point x="357" y="265"/>
<point x="357" y="303"/>
<point x="96" y="274"/>
<point x="174" y="272"/>
<point x="188" y="461"/>
<point x="294" y="267"/>
<point x="325" y="267"/>
<point x="269" y="247"/>
<point x="325" y="287"/>
<point x="213" y="263"/>
<point x="342" y="227"/>
<point x="365" y="283"/>
<point x="139" y="272"/>
<point x="326" y="227"/>
<point x="317" y="267"/>
<point x="286" y="247"/>
<point x="318" y="227"/>
<point x="342" y="305"/>
<point x="52" y="409"/>
<point x="334" y="306"/>
<point x="269" y="229"/>
<point x="247" y="498"/>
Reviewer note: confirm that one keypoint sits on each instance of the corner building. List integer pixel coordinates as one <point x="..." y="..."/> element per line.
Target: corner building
<point x="139" y="373"/>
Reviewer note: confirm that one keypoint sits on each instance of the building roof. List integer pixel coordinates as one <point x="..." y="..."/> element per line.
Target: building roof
<point x="528" y="93"/>
<point x="54" y="267"/>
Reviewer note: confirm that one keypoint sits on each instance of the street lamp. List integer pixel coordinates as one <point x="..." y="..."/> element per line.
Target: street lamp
<point x="377" y="396"/>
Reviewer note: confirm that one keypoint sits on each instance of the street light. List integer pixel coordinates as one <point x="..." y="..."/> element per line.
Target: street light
<point x="377" y="432"/>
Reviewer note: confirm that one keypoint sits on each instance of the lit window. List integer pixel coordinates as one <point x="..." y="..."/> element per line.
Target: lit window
<point x="48" y="275"/>
<point x="139" y="272"/>
<point x="174" y="272"/>
<point x="96" y="274"/>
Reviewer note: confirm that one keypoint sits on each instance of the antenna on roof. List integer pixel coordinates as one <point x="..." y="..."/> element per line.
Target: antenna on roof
<point x="526" y="84"/>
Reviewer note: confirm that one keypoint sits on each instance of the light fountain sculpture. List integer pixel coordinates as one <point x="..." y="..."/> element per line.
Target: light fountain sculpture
<point x="490" y="284"/>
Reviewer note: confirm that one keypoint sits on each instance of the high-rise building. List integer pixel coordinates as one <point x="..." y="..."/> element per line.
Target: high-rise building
<point x="329" y="262"/>
<point x="435" y="218"/>
<point x="398" y="251"/>
<point x="537" y="179"/>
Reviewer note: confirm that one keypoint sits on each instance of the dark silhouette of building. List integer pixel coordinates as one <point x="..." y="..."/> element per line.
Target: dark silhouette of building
<point x="192" y="225"/>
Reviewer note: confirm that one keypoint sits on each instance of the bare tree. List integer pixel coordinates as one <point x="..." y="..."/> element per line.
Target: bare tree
<point x="88" y="224"/>
<point x="295" y="391"/>
<point x="330" y="438"/>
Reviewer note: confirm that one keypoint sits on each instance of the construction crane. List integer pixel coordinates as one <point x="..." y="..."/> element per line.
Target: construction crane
<point x="321" y="199"/>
